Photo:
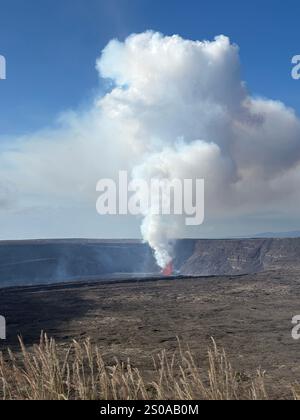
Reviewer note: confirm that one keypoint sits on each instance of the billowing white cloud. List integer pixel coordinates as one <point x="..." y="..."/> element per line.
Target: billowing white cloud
<point x="176" y="107"/>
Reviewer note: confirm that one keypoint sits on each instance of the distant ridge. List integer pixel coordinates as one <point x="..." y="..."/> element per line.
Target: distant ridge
<point x="38" y="262"/>
<point x="292" y="234"/>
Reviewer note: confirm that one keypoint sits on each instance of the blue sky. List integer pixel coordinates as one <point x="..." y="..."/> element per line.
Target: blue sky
<point x="51" y="47"/>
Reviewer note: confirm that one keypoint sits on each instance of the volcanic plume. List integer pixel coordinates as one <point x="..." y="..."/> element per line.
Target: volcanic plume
<point x="168" y="108"/>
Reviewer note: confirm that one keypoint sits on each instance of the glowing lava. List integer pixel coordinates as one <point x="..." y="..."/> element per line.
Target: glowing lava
<point x="168" y="270"/>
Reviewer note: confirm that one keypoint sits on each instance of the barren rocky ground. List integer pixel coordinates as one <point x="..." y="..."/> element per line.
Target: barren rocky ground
<point x="250" y="316"/>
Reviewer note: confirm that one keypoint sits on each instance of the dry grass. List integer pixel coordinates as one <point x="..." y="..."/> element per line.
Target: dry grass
<point x="44" y="373"/>
<point x="296" y="392"/>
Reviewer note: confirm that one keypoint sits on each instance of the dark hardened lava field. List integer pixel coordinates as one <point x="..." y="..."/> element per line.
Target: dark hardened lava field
<point x="250" y="316"/>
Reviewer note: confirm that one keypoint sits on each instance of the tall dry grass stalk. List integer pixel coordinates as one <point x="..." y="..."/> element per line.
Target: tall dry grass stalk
<point x="47" y="373"/>
<point x="296" y="392"/>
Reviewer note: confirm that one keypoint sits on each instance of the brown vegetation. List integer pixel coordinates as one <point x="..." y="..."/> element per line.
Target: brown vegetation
<point x="80" y="372"/>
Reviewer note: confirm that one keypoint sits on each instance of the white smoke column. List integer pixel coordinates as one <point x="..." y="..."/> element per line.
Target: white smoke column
<point x="181" y="91"/>
<point x="180" y="162"/>
<point x="157" y="230"/>
<point x="158" y="235"/>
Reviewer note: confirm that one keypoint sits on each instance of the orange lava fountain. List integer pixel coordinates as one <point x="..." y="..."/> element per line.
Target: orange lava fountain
<point x="168" y="270"/>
